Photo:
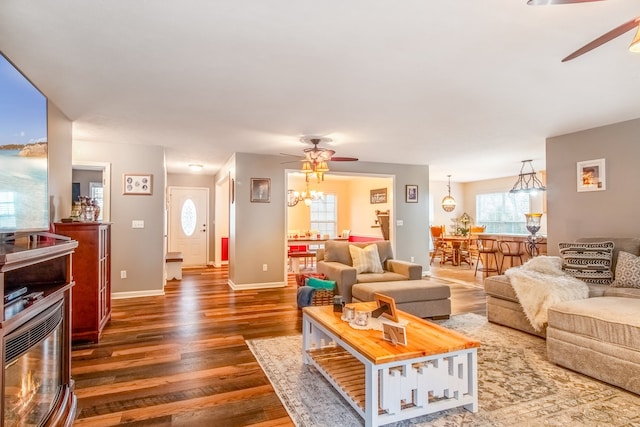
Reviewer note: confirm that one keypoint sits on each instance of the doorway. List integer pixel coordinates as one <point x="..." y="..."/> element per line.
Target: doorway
<point x="188" y="230"/>
<point x="93" y="179"/>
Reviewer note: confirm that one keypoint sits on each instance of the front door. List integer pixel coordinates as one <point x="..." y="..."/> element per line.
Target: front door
<point x="188" y="220"/>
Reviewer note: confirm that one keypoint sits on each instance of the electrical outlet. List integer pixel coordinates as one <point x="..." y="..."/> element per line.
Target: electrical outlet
<point x="265" y="267"/>
<point x="123" y="274"/>
<point x="413" y="259"/>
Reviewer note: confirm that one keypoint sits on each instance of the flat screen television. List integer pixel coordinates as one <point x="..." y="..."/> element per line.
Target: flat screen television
<point x="24" y="191"/>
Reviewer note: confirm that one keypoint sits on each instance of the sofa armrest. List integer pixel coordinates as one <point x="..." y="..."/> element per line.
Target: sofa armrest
<point x="344" y="276"/>
<point x="411" y="270"/>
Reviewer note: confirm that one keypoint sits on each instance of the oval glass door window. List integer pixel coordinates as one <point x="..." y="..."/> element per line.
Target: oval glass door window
<point x="188" y="217"/>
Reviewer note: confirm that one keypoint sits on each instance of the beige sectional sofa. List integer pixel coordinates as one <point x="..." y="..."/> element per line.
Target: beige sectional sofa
<point x="598" y="336"/>
<point x="334" y="261"/>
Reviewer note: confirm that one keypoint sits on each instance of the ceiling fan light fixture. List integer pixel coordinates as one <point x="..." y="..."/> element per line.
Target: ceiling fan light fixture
<point x="306" y="168"/>
<point x="635" y="44"/>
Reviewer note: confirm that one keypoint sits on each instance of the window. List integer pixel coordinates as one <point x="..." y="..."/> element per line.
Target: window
<point x="502" y="212"/>
<point x="324" y="214"/>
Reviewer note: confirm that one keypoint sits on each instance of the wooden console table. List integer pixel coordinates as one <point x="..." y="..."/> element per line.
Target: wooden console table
<point x="386" y="383"/>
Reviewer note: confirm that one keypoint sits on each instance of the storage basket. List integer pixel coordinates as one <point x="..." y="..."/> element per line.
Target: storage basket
<point x="320" y="296"/>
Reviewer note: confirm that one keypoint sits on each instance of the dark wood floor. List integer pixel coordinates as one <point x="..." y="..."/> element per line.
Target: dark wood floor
<point x="181" y="359"/>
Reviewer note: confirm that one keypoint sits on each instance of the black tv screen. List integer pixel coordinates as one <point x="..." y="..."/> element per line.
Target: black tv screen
<point x="24" y="193"/>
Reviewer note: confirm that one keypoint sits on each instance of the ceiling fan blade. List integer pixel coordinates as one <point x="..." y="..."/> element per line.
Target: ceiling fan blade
<point x="343" y="159"/>
<point x="616" y="32"/>
<point x="549" y="2"/>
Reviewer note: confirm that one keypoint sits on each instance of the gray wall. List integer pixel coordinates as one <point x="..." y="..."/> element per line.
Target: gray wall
<point x="59" y="130"/>
<point x="613" y="212"/>
<point x="138" y="251"/>
<point x="258" y="230"/>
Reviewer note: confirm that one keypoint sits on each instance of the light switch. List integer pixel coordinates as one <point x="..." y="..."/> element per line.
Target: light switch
<point x="137" y="223"/>
<point x="399" y="223"/>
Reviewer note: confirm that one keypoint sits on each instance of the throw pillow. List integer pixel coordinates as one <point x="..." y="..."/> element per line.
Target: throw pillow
<point x="316" y="283"/>
<point x="590" y="262"/>
<point x="627" y="271"/>
<point x="367" y="259"/>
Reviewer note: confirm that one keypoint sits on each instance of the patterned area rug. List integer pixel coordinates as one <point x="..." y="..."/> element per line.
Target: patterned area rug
<point x="517" y="386"/>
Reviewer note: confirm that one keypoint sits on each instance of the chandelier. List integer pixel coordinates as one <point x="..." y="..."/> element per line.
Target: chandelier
<point x="448" y="203"/>
<point x="527" y="182"/>
<point x="307" y="196"/>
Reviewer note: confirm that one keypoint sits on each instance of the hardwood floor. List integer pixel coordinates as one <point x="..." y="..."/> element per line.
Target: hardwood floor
<point x="181" y="359"/>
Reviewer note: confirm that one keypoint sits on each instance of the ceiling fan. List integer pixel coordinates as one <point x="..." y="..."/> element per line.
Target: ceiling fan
<point x="616" y="32"/>
<point x="316" y="158"/>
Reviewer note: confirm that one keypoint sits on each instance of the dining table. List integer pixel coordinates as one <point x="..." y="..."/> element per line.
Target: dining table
<point x="457" y="256"/>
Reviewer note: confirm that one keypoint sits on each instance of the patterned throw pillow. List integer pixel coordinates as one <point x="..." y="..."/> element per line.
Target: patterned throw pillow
<point x="367" y="259"/>
<point x="590" y="262"/>
<point x="627" y="271"/>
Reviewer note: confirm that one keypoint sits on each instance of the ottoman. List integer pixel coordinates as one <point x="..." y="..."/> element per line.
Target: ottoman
<point x="421" y="298"/>
<point x="598" y="337"/>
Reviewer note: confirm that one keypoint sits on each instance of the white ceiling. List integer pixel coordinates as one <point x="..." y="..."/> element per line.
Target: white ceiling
<point x="469" y="87"/>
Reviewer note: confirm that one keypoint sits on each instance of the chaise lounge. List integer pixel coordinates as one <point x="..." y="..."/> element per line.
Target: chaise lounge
<point x="598" y="336"/>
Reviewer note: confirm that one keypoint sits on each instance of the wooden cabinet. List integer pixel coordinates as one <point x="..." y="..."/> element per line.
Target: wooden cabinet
<point x="91" y="295"/>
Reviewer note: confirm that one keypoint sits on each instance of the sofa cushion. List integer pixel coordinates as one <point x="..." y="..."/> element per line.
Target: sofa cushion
<point x="627" y="271"/>
<point x="365" y="260"/>
<point x="621" y="292"/>
<point x="337" y="251"/>
<point x="402" y="291"/>
<point x="500" y="287"/>
<point x="605" y="319"/>
<point x="590" y="262"/>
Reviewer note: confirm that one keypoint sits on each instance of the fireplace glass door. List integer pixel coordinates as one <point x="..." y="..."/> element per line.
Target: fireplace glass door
<point x="33" y="368"/>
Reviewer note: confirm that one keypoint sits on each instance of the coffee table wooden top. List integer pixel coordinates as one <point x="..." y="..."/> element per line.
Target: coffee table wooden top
<point x="424" y="338"/>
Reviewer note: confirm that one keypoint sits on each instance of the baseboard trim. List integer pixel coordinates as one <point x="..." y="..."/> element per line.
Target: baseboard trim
<point x="247" y="286"/>
<point x="137" y="294"/>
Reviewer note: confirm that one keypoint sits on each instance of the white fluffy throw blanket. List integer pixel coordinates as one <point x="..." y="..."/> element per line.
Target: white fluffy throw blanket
<point x="540" y="283"/>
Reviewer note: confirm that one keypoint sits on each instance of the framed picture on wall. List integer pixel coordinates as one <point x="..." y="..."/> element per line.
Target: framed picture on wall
<point x="137" y="184"/>
<point x="378" y="195"/>
<point x="411" y="194"/>
<point x="591" y="175"/>
<point x="260" y="190"/>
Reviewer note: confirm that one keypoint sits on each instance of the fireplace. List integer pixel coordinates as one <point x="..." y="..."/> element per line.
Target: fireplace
<point x="37" y="389"/>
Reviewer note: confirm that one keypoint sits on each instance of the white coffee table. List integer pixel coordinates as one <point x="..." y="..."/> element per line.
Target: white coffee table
<point x="386" y="383"/>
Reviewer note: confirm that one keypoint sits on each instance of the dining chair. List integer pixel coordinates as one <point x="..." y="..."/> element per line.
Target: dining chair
<point x="511" y="249"/>
<point x="489" y="248"/>
<point x="440" y="247"/>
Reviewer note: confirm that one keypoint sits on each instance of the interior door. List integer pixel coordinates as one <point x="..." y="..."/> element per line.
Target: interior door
<point x="188" y="220"/>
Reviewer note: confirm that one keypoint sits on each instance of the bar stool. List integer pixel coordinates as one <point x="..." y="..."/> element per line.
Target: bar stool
<point x="511" y="249"/>
<point x="488" y="248"/>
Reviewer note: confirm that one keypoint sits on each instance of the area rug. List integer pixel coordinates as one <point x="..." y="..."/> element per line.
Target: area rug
<point x="517" y="386"/>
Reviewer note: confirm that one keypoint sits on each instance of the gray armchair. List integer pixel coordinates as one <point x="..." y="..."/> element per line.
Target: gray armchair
<point x="334" y="261"/>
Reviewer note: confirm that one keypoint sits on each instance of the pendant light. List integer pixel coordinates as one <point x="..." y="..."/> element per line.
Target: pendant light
<point x="448" y="203"/>
<point x="527" y="182"/>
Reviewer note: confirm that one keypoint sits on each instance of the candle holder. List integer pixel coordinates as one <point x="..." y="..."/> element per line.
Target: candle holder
<point x="533" y="226"/>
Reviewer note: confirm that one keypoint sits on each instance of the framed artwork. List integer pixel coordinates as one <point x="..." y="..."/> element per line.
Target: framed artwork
<point x="378" y="195"/>
<point x="137" y="184"/>
<point x="411" y="193"/>
<point x="397" y="334"/>
<point x="591" y="175"/>
<point x="386" y="307"/>
<point x="260" y="190"/>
